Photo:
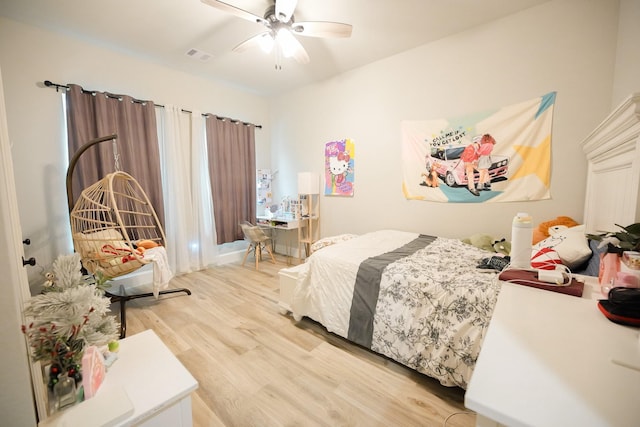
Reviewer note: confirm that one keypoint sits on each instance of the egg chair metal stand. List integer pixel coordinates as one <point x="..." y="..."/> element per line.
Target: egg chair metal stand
<point x="108" y="221"/>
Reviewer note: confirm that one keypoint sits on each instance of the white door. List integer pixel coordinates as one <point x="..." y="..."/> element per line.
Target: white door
<point x="16" y="396"/>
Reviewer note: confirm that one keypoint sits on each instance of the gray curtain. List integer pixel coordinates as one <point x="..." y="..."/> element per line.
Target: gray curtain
<point x="232" y="170"/>
<point x="93" y="115"/>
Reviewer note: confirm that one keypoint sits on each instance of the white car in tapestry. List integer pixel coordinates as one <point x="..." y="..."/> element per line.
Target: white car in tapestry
<point x="450" y="168"/>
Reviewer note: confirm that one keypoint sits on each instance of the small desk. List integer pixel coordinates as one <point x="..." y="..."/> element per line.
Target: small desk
<point x="278" y="223"/>
<point x="146" y="386"/>
<point x="275" y="224"/>
<point x="546" y="361"/>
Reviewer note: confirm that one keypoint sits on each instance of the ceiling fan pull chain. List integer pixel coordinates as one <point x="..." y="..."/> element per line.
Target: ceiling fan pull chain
<point x="278" y="53"/>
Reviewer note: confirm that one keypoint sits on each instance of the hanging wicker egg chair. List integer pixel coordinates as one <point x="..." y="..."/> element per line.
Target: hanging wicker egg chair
<point x="111" y="224"/>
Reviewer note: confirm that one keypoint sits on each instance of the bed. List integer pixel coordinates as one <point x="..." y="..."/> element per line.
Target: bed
<point x="429" y="306"/>
<point x="419" y="300"/>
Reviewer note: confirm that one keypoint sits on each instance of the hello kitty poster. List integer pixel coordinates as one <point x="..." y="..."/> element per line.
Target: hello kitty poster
<point x="339" y="160"/>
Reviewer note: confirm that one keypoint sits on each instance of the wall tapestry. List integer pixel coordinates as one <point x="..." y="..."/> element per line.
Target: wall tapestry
<point x="338" y="168"/>
<point x="506" y="152"/>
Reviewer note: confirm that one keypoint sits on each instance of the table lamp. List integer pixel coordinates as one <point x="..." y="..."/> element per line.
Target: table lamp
<point x="308" y="183"/>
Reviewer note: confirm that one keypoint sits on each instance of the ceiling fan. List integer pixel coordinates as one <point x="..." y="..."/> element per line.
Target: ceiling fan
<point x="281" y="29"/>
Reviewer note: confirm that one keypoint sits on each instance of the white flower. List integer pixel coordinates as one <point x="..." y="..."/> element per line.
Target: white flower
<point x="611" y="240"/>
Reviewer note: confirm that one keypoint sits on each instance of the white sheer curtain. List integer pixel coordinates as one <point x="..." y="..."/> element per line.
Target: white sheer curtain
<point x="205" y="251"/>
<point x="191" y="240"/>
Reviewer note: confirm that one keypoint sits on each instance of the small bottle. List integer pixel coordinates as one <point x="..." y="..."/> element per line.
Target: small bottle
<point x="64" y="391"/>
<point x="521" y="238"/>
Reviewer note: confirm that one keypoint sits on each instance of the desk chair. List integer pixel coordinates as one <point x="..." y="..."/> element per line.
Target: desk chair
<point x="258" y="241"/>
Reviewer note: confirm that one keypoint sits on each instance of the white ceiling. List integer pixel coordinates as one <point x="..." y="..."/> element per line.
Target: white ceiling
<point x="162" y="31"/>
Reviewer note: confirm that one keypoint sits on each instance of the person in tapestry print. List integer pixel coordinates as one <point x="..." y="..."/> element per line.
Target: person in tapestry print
<point x="470" y="159"/>
<point x="484" y="161"/>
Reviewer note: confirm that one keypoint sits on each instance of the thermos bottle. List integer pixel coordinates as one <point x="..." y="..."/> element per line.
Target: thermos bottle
<point x="521" y="238"/>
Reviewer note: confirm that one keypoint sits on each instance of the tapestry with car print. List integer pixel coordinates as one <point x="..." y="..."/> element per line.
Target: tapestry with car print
<point x="503" y="155"/>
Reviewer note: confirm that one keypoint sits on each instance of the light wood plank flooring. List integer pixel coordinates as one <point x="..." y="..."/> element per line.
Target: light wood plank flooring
<point x="257" y="367"/>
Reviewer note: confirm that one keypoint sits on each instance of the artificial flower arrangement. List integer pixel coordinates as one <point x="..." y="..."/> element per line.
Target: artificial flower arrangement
<point x="626" y="239"/>
<point x="67" y="317"/>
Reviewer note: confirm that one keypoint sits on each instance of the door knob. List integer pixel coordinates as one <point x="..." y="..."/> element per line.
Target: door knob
<point x="31" y="261"/>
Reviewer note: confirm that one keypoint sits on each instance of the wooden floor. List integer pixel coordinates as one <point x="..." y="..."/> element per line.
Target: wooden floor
<point x="257" y="367"/>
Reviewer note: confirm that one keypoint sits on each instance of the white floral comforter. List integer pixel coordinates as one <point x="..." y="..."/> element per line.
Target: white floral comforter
<point x="431" y="308"/>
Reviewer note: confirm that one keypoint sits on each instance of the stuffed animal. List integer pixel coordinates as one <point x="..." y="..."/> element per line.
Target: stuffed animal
<point x="542" y="231"/>
<point x="482" y="241"/>
<point x="146" y="244"/>
<point x="502" y="247"/>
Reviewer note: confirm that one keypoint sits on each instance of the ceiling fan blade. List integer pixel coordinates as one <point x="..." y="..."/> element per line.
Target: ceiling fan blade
<point x="284" y="9"/>
<point x="322" y="29"/>
<point x="240" y="13"/>
<point x="262" y="40"/>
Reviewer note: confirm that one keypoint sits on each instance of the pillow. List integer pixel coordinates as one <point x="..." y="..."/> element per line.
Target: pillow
<point x="544" y="229"/>
<point x="592" y="266"/>
<point x="328" y="241"/>
<point x="570" y="244"/>
<point x="108" y="234"/>
<point x="545" y="259"/>
<point x="90" y="245"/>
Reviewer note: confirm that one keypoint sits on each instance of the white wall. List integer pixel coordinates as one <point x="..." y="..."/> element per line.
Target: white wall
<point x="627" y="70"/>
<point x="563" y="46"/>
<point x="29" y="56"/>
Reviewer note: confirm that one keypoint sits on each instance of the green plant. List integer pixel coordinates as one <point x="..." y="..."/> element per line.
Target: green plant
<point x="626" y="239"/>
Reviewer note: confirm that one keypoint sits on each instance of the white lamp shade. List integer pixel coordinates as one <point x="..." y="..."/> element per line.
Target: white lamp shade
<point x="308" y="183"/>
<point x="287" y="42"/>
<point x="266" y="42"/>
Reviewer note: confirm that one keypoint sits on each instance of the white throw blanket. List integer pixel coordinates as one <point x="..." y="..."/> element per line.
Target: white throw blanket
<point x="161" y="271"/>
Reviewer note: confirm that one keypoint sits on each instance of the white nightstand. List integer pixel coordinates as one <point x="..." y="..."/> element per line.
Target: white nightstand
<point x="146" y="386"/>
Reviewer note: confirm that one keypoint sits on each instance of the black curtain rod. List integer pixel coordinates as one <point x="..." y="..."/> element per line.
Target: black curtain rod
<point x="49" y="83"/>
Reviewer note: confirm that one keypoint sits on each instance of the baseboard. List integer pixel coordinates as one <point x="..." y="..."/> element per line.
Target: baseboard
<point x="231" y="256"/>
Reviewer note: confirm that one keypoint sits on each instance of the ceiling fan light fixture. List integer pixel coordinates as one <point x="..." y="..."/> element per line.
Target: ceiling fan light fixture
<point x="266" y="42"/>
<point x="287" y="42"/>
<point x="281" y="29"/>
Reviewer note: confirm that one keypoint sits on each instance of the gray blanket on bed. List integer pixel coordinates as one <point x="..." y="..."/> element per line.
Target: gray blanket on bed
<point x="367" y="288"/>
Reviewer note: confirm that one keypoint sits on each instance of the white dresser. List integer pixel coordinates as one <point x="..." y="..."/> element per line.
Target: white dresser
<point x="550" y="359"/>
